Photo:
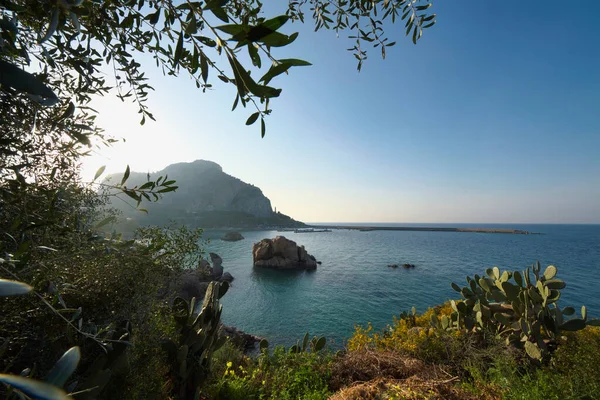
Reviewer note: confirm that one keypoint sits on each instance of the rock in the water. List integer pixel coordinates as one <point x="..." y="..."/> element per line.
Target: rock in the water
<point x="227" y="277"/>
<point x="232" y="237"/>
<point x="407" y="266"/>
<point x="393" y="265"/>
<point x="217" y="262"/>
<point x="281" y="253"/>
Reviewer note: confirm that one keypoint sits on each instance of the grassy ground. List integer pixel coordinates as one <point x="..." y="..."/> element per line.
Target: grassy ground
<point x="409" y="360"/>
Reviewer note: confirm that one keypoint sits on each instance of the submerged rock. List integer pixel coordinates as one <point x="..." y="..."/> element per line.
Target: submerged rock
<point x="232" y="237"/>
<point x="407" y="266"/>
<point x="282" y="253"/>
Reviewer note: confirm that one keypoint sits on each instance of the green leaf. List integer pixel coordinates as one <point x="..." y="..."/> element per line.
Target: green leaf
<point x="52" y="25"/>
<point x="125" y="175"/>
<point x="518" y="278"/>
<point x="14" y="77"/>
<point x="258" y="32"/>
<point x="216" y="6"/>
<point x="277" y="39"/>
<point x="204" y="67"/>
<point x="252" y="119"/>
<point x="455" y="287"/>
<point x="512" y="291"/>
<point x="550" y="272"/>
<point x="232" y="29"/>
<point x="245" y="83"/>
<point x="33" y="388"/>
<point x="264" y="344"/>
<point x="263" y="128"/>
<point x="206" y="41"/>
<point x="153" y="18"/>
<point x="169" y="189"/>
<point x="178" y="50"/>
<point x="274" y="71"/>
<point x="568" y="311"/>
<point x="496" y="272"/>
<point x="533" y="350"/>
<point x="320" y="344"/>
<point x="294" y="62"/>
<point x="254" y="56"/>
<point x="13" y="288"/>
<point x="99" y="172"/>
<point x="191" y="28"/>
<point x="555" y="284"/>
<point x="147" y="185"/>
<point x="64" y="367"/>
<point x="583" y="312"/>
<point x="575" y="324"/>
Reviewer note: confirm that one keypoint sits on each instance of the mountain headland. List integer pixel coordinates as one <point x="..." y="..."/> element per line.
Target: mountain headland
<point x="206" y="197"/>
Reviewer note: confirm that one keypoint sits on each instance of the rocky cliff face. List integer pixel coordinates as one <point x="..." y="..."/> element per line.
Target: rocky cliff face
<point x="206" y="197"/>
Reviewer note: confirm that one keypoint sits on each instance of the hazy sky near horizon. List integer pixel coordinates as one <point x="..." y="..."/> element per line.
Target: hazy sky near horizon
<point x="492" y="117"/>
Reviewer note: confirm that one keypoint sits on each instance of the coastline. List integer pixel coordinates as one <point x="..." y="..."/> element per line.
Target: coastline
<point x="425" y="229"/>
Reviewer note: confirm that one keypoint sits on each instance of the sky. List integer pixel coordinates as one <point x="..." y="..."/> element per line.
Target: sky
<point x="493" y="117"/>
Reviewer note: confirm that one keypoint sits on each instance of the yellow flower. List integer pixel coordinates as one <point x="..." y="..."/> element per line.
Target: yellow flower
<point x="229" y="364"/>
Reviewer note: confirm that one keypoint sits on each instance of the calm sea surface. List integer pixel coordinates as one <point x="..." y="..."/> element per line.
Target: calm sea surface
<point x="355" y="286"/>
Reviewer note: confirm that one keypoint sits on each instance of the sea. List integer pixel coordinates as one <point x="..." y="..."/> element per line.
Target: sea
<point x="354" y="284"/>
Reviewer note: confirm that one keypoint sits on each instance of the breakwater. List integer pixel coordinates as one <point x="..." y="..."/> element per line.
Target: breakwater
<point x="425" y="229"/>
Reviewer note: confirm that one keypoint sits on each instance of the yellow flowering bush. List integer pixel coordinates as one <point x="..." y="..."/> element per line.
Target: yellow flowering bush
<point x="412" y="335"/>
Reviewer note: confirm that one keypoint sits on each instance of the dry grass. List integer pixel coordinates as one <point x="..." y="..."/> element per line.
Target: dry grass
<point x="374" y="375"/>
<point x="411" y="389"/>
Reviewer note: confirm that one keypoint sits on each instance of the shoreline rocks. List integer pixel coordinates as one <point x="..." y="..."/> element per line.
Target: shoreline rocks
<point x="194" y="282"/>
<point x="247" y="342"/>
<point x="217" y="267"/>
<point x="282" y="253"/>
<point x="232" y="236"/>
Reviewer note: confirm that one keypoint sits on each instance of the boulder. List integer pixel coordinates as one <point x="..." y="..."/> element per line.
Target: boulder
<point x="281" y="253"/>
<point x="226" y="277"/>
<point x="407" y="266"/>
<point x="232" y="237"/>
<point x="393" y="265"/>
<point x="189" y="284"/>
<point x="217" y="267"/>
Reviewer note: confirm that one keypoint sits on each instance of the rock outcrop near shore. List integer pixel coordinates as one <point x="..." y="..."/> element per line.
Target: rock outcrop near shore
<point x="232" y="237"/>
<point x="282" y="253"/>
<point x="194" y="282"/>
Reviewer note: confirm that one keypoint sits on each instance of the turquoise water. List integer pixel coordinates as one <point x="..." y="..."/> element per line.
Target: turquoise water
<point x="354" y="284"/>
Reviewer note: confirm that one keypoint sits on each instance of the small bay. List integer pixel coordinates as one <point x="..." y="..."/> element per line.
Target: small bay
<point x="354" y="285"/>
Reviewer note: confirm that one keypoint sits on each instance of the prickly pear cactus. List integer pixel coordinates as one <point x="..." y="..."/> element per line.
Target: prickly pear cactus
<point x="518" y="306"/>
<point x="198" y="338"/>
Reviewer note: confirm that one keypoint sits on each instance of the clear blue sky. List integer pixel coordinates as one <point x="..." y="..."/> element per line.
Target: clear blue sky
<point x="492" y="117"/>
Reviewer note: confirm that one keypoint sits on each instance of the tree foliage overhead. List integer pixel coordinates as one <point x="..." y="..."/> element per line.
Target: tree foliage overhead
<point x="56" y="55"/>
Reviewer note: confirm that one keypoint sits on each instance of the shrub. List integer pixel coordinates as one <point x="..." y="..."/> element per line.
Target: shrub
<point x="280" y="375"/>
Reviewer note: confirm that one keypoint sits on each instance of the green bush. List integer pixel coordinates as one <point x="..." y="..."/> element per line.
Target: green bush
<point x="280" y="375"/>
